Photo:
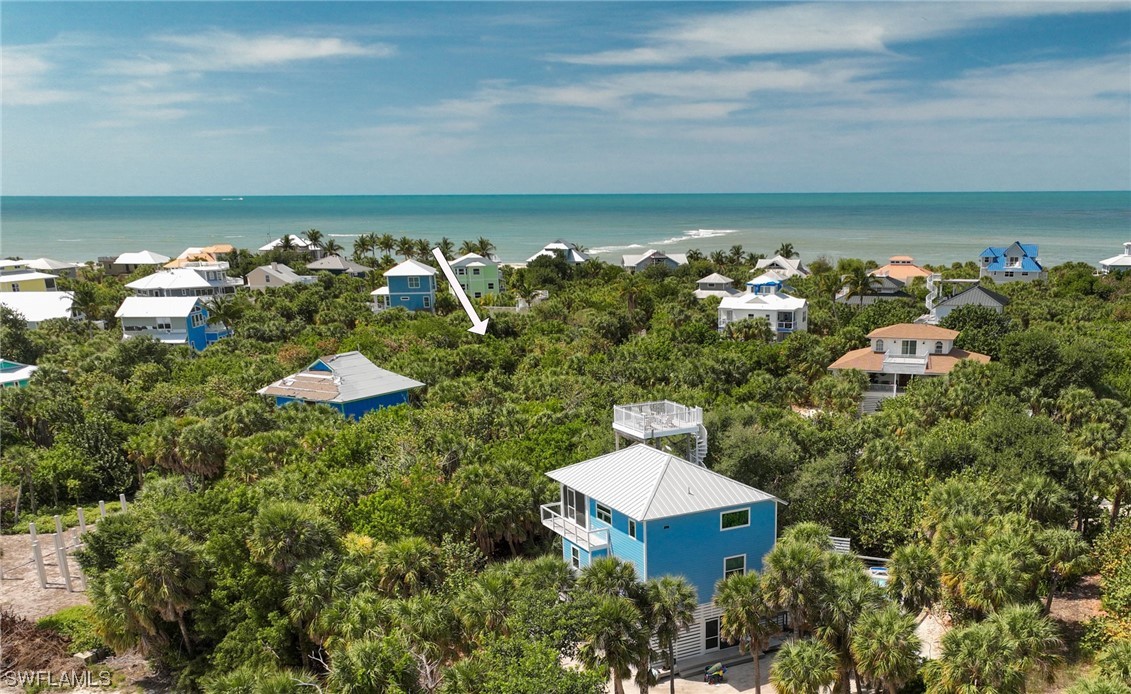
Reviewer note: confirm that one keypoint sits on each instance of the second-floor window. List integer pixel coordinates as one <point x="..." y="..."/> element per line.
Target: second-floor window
<point x="575" y="557"/>
<point x="604" y="514"/>
<point x="164" y="323"/>
<point x="414" y="283"/>
<point x="632" y="529"/>
<point x="879" y="345"/>
<point x="938" y="348"/>
<point x="735" y="519"/>
<point x="907" y="348"/>
<point x="734" y="565"/>
<point x="475" y="271"/>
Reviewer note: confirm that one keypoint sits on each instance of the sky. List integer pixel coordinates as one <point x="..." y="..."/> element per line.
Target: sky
<point x="289" y="98"/>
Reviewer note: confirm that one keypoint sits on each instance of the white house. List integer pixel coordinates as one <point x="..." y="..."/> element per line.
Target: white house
<point x="642" y="261"/>
<point x="128" y="262"/>
<point x="61" y="268"/>
<point x="785" y="313"/>
<point x="276" y="275"/>
<point x="885" y="289"/>
<point x="176" y="320"/>
<point x="976" y="295"/>
<point x="567" y="250"/>
<point x="298" y="243"/>
<point x="715" y="284"/>
<point x="783" y="267"/>
<point x="898" y="353"/>
<point x="1117" y="263"/>
<point x="1016" y="262"/>
<point x="37" y="307"/>
<point x="194" y="278"/>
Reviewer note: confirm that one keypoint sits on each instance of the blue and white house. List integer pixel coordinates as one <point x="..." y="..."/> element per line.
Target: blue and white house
<point x="175" y="320"/>
<point x="410" y="285"/>
<point x="347" y="382"/>
<point x="1016" y="262"/>
<point x="667" y="516"/>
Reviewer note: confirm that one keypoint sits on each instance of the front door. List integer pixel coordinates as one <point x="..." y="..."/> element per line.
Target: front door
<point x="712" y="639"/>
<point x="575" y="507"/>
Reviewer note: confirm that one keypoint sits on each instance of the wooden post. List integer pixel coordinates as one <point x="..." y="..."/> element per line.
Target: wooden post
<point x="102" y="508"/>
<point x="61" y="555"/>
<point x="122" y="501"/>
<point x="38" y="554"/>
<point x="82" y="522"/>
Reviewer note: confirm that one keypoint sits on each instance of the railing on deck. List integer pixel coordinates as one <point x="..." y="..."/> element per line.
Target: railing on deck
<point x="657" y="416"/>
<point x="568" y="528"/>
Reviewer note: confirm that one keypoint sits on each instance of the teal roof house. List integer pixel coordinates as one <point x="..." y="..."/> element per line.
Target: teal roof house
<point x="14" y="374"/>
<point x="667" y="516"/>
<point x="410" y="285"/>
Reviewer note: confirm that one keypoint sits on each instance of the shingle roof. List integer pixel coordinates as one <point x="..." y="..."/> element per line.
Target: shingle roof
<point x="156" y="307"/>
<point x="914" y="331"/>
<point x="351" y="377"/>
<point x="976" y="289"/>
<point x="410" y="268"/>
<point x="645" y="484"/>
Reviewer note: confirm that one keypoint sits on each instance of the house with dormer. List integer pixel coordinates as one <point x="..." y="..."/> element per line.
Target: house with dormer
<point x="639" y="262"/>
<point x="477" y="275"/>
<point x="1016" y="262"/>
<point x="715" y="284"/>
<point x="785" y="314"/>
<point x="668" y="517"/>
<point x="192" y="278"/>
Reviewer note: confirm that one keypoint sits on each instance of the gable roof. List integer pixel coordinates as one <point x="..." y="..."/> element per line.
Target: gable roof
<point x="37" y="307"/>
<point x="410" y="268"/>
<point x="472" y="259"/>
<point x="715" y="278"/>
<point x="281" y="271"/>
<point x="157" y="307"/>
<point x="792" y="266"/>
<point x="646" y="484"/>
<point x="769" y="302"/>
<point x="634" y="260"/>
<point x="975" y="289"/>
<point x="1028" y="257"/>
<point x="914" y="331"/>
<point x="299" y="243"/>
<point x="141" y="258"/>
<point x="176" y="278"/>
<point x="340" y="378"/>
<point x="337" y="262"/>
<point x="569" y="252"/>
<point x="49" y="264"/>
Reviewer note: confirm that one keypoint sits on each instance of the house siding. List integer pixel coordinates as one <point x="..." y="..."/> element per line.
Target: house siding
<point x="400" y="295"/>
<point x="356" y="409"/>
<point x="621" y="544"/>
<point x="693" y="546"/>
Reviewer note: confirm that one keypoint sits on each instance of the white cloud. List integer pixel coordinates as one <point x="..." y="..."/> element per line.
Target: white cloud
<point x="24" y="74"/>
<point x="221" y="50"/>
<point x="819" y="27"/>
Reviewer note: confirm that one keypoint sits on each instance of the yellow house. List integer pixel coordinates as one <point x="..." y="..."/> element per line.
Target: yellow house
<point x="26" y="281"/>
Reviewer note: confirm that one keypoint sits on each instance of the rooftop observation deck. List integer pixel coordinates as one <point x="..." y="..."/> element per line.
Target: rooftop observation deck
<point x="649" y="420"/>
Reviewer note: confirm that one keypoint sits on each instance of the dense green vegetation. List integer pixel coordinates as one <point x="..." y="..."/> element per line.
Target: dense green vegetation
<point x="270" y="547"/>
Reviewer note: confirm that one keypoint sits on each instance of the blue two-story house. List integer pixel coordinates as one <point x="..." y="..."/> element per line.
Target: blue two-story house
<point x="1016" y="262"/>
<point x="174" y="320"/>
<point x="347" y="382"/>
<point x="410" y="285"/>
<point x="668" y="517"/>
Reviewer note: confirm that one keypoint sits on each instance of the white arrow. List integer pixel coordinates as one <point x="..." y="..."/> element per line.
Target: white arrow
<point x="479" y="327"/>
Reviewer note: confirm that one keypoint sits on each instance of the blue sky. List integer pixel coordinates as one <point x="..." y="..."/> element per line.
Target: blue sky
<point x="166" y="98"/>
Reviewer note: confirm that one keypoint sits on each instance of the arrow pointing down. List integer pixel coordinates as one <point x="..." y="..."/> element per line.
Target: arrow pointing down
<point x="479" y="327"/>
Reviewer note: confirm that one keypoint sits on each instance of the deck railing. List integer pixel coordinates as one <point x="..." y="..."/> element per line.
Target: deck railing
<point x="657" y="416"/>
<point x="568" y="528"/>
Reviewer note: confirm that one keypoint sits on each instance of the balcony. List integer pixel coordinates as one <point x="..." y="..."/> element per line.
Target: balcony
<point x="650" y="420"/>
<point x="905" y="363"/>
<point x="584" y="538"/>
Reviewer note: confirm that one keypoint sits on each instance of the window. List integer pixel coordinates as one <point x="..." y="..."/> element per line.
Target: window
<point x="879" y="345"/>
<point x="575" y="506"/>
<point x="267" y="278"/>
<point x="735" y="519"/>
<point x="604" y="514"/>
<point x="1009" y="274"/>
<point x="50" y="284"/>
<point x="164" y="323"/>
<point x="907" y="348"/>
<point x="404" y="299"/>
<point x="461" y="271"/>
<point x="785" y="320"/>
<point x="938" y="347"/>
<point x="734" y="565"/>
<point x="575" y="557"/>
<point x="475" y="271"/>
<point x="632" y="529"/>
<point x="711" y="634"/>
<point x="478" y="295"/>
<point x="490" y="285"/>
<point x="427" y="302"/>
<point x="414" y="283"/>
<point x="15" y="287"/>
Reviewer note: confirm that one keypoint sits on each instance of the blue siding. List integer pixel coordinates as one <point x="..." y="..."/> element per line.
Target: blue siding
<point x="621" y="545"/>
<point x="196" y="337"/>
<point x="412" y="299"/>
<point x="566" y="546"/>
<point x="357" y="408"/>
<point x="693" y="546"/>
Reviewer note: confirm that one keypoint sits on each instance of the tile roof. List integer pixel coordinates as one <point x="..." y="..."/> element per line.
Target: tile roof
<point x="868" y="360"/>
<point x="646" y="484"/>
<point x="914" y="331"/>
<point x="351" y="377"/>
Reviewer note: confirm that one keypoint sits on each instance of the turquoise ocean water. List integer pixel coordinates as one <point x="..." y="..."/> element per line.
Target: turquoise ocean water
<point x="932" y="227"/>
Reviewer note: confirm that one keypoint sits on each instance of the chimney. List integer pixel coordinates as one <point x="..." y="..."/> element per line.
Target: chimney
<point x="275" y="266"/>
<point x="1127" y="248"/>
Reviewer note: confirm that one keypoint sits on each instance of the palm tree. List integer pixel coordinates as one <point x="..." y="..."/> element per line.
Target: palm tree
<point x="446" y="246"/>
<point x="85" y="303"/>
<point x="407" y="566"/>
<point x="286" y="533"/>
<point x="1110" y="475"/>
<point x="385" y="243"/>
<point x="308" y="591"/>
<point x="791" y="577"/>
<point x="484" y="606"/>
<point x="362" y="246"/>
<point x="467" y="247"/>
<point x="225" y="310"/>
<point x="313" y="236"/>
<point x="424" y="249"/>
<point x="993" y="579"/>
<point x="332" y="247"/>
<point x="613" y="638"/>
<point x="786" y="250"/>
<point x="485" y="248"/>
<point x="286" y="243"/>
<point x="748" y="617"/>
<point x="913" y="577"/>
<point x="673" y="601"/>
<point x="859" y="283"/>
<point x="694" y="254"/>
<point x="718" y="258"/>
<point x="1064" y="556"/>
<point x="885" y="647"/>
<point x="735" y="255"/>
<point x="803" y="667"/>
<point x="608" y="576"/>
<point x="847" y="594"/>
<point x="405" y="247"/>
<point x="166" y="574"/>
<point x="1033" y="636"/>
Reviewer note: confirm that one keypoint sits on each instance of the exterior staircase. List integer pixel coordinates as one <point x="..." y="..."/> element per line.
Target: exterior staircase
<point x="700" y="455"/>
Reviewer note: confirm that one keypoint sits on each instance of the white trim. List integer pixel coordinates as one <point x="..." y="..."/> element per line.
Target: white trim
<point x="734" y="527"/>
<point x="597" y="512"/>
<point x="575" y="556"/>
<point x="633" y="529"/>
<point x="735" y="556"/>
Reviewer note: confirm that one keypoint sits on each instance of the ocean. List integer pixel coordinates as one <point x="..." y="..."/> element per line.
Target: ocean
<point x="931" y="227"/>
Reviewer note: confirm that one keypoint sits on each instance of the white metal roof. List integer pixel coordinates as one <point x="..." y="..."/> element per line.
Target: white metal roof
<point x="142" y="258"/>
<point x="380" y="291"/>
<point x="636" y="259"/>
<point x="769" y="302"/>
<point x="177" y="278"/>
<point x="569" y="250"/>
<point x="715" y="278"/>
<point x="410" y="268"/>
<point x="792" y="266"/>
<point x="337" y="262"/>
<point x="646" y="484"/>
<point x="352" y="377"/>
<point x="14" y="372"/>
<point x="156" y="306"/>
<point x="24" y="275"/>
<point x="37" y="307"/>
<point x="49" y="264"/>
<point x="299" y="243"/>
<point x="9" y="263"/>
<point x="1122" y="260"/>
<point x="472" y="259"/>
<point x="283" y="272"/>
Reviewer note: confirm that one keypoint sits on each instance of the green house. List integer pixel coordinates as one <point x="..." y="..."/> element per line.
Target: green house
<point x="477" y="275"/>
